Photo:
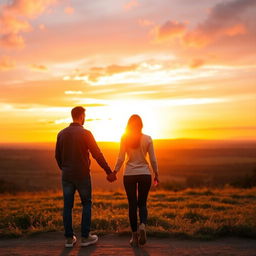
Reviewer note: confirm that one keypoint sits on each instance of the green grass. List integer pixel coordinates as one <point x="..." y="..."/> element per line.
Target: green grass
<point x="193" y="213"/>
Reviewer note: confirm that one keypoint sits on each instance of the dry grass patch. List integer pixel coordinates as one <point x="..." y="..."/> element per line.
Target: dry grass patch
<point x="194" y="213"/>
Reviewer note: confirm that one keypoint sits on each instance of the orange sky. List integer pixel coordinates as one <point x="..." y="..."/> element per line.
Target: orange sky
<point x="187" y="67"/>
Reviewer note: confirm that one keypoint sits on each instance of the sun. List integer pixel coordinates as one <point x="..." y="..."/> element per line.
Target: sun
<point x="109" y="122"/>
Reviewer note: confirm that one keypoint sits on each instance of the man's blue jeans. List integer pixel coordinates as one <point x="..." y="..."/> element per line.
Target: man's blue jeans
<point x="84" y="190"/>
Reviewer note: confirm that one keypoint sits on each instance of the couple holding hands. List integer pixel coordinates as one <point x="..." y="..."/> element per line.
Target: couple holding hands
<point x="73" y="146"/>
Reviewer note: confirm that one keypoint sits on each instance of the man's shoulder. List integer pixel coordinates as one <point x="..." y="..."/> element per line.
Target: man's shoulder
<point x="62" y="131"/>
<point x="76" y="130"/>
<point x="68" y="129"/>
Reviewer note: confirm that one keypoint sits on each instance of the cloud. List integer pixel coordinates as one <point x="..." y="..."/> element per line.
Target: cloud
<point x="73" y="92"/>
<point x="131" y="4"/>
<point x="225" y="128"/>
<point x="47" y="93"/>
<point x="147" y="81"/>
<point x="41" y="27"/>
<point x="93" y="119"/>
<point x="97" y="72"/>
<point x="12" y="41"/>
<point x="145" y="23"/>
<point x="114" y="69"/>
<point x="38" y="67"/>
<point x="29" y="8"/>
<point x="201" y="38"/>
<point x="12" y="25"/>
<point x="196" y="63"/>
<point x="226" y="36"/>
<point x="6" y="63"/>
<point x="170" y="30"/>
<point x="136" y="77"/>
<point x="69" y="10"/>
<point x="15" y="19"/>
<point x="226" y="19"/>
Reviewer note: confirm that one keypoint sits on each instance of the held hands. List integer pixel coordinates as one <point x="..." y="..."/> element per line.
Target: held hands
<point x="111" y="177"/>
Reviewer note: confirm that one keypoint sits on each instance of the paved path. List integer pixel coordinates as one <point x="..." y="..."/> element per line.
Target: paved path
<point x="53" y="244"/>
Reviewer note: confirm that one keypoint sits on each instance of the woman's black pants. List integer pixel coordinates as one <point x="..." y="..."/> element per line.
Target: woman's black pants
<point x="137" y="188"/>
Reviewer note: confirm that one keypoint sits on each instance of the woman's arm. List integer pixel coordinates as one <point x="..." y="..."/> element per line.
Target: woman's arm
<point x="152" y="158"/>
<point x="121" y="156"/>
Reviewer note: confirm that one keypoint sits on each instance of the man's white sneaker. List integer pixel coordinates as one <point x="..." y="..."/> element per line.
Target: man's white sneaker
<point x="70" y="242"/>
<point x="91" y="239"/>
<point x="142" y="234"/>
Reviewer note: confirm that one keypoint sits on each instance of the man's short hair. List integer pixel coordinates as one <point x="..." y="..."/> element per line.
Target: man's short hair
<point x="76" y="112"/>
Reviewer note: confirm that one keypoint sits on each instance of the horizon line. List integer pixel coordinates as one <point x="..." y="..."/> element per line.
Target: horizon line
<point x="161" y="139"/>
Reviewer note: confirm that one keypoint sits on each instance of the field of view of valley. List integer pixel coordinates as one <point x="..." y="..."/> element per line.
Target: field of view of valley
<point x="182" y="164"/>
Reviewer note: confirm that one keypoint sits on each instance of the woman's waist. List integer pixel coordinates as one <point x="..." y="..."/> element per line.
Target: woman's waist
<point x="137" y="164"/>
<point x="137" y="167"/>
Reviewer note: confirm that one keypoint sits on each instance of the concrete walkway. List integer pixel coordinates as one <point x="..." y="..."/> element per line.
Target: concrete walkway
<point x="53" y="244"/>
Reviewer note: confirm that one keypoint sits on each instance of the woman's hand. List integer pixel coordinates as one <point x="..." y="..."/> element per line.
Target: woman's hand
<point x="156" y="180"/>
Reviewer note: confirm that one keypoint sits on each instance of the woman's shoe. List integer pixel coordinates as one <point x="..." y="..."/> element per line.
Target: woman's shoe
<point x="142" y="234"/>
<point x="134" y="242"/>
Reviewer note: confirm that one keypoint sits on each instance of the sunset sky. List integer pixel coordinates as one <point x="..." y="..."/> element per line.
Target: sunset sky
<point x="188" y="67"/>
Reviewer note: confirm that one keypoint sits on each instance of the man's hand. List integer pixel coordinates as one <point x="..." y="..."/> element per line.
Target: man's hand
<point x="111" y="177"/>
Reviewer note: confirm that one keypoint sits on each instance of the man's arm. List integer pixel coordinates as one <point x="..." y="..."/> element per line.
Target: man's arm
<point x="96" y="154"/>
<point x="58" y="152"/>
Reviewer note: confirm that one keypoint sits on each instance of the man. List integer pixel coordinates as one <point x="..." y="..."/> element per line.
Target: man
<point x="72" y="154"/>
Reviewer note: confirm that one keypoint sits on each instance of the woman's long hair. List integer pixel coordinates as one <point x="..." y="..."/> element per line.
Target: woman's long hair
<point x="133" y="132"/>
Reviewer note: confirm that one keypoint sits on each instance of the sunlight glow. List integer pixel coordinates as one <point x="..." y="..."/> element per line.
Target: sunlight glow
<point x="113" y="119"/>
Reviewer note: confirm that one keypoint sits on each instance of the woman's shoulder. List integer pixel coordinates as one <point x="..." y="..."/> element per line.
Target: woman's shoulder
<point x="146" y="137"/>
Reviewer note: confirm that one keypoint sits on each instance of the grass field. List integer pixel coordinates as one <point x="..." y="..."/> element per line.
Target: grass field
<point x="191" y="213"/>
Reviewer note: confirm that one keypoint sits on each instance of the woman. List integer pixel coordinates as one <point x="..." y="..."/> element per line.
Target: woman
<point x="137" y="177"/>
